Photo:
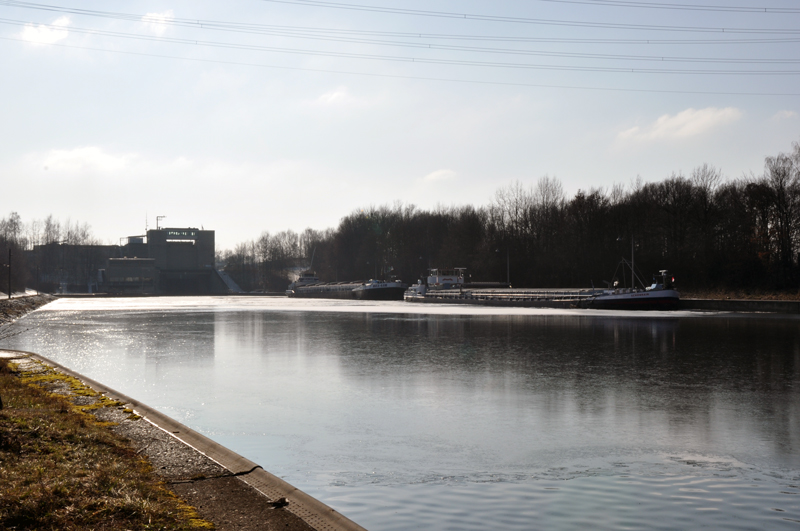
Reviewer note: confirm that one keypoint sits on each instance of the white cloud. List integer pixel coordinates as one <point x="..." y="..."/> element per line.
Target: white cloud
<point x="342" y="98"/>
<point x="784" y="115"/>
<point x="440" y="175"/>
<point x="336" y="97"/>
<point x="46" y="34"/>
<point x="158" y="22"/>
<point x="688" y="123"/>
<point x="90" y="158"/>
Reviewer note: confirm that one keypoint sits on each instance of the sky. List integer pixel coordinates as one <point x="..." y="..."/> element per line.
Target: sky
<point x="244" y="116"/>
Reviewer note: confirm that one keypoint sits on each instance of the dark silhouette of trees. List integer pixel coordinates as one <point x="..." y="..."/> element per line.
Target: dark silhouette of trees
<point x="782" y="179"/>
<point x="709" y="231"/>
<point x="11" y="239"/>
<point x="52" y="254"/>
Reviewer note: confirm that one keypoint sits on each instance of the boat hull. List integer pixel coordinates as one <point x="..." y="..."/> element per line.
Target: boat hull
<point x="380" y="294"/>
<point x="644" y="300"/>
<point x="389" y="291"/>
<point x="321" y="294"/>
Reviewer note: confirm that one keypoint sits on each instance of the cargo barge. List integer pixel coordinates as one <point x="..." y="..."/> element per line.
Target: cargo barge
<point x="450" y="286"/>
<point x="308" y="285"/>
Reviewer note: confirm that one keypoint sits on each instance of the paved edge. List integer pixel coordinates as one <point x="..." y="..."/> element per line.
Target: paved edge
<point x="309" y="509"/>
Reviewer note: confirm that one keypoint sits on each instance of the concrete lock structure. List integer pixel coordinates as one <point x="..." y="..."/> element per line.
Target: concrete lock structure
<point x="129" y="276"/>
<point x="165" y="261"/>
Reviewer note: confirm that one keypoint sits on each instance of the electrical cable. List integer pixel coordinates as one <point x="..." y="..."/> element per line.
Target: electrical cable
<point x="523" y="20"/>
<point x="442" y="14"/>
<point x="541" y="53"/>
<point x="420" y="78"/>
<point x="679" y="7"/>
<point x="268" y="29"/>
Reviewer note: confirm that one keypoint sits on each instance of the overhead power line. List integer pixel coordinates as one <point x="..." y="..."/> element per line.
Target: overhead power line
<point x="439" y="14"/>
<point x="679" y="7"/>
<point x="269" y="29"/>
<point x="540" y="53"/>
<point x="423" y="78"/>
<point x="524" y="20"/>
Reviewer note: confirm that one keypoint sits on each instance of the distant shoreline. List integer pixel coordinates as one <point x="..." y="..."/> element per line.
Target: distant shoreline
<point x="13" y="309"/>
<point x="731" y="301"/>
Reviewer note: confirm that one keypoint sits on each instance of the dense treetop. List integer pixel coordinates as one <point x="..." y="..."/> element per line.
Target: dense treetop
<point x="708" y="230"/>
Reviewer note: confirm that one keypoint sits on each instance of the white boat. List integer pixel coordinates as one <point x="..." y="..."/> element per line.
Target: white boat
<point x="416" y="291"/>
<point x="443" y="280"/>
<point x="438" y="279"/>
<point x="306" y="278"/>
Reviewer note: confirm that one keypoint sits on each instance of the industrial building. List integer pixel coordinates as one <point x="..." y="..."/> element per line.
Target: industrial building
<point x="127" y="276"/>
<point x="173" y="261"/>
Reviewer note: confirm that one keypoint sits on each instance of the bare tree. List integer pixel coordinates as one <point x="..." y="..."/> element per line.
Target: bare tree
<point x="52" y="230"/>
<point x="783" y="179"/>
<point x="11" y="228"/>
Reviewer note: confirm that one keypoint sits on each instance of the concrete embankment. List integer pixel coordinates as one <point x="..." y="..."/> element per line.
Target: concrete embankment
<point x="228" y="489"/>
<point x="12" y="309"/>
<point x="713" y="305"/>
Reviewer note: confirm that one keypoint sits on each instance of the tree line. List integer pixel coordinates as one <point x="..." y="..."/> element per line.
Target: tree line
<point x="710" y="231"/>
<point x="48" y="253"/>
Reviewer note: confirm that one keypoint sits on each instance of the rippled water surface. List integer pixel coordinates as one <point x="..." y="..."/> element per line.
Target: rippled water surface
<point x="408" y="416"/>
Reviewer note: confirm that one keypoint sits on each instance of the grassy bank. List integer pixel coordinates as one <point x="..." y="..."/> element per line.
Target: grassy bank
<point x="61" y="468"/>
<point x="11" y="309"/>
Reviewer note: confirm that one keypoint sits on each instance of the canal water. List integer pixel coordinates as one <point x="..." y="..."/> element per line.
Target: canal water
<point x="405" y="416"/>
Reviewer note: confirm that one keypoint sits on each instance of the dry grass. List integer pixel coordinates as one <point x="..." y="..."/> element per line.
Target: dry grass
<point x="62" y="469"/>
<point x="11" y="309"/>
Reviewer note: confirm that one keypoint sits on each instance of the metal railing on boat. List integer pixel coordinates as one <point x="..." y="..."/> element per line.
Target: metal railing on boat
<point x="514" y="295"/>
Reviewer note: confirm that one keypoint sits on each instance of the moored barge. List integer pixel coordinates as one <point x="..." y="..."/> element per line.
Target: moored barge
<point x="449" y="286"/>
<point x="308" y="285"/>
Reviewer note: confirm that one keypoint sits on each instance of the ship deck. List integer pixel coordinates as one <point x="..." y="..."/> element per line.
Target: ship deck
<point x="510" y="295"/>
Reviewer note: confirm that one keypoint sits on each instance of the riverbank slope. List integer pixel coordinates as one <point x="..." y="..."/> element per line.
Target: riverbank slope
<point x="214" y="487"/>
<point x="13" y="309"/>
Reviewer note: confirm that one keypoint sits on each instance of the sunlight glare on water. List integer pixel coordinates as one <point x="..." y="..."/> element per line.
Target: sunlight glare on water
<point x="407" y="416"/>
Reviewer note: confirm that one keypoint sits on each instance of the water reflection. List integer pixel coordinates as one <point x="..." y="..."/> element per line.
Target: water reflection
<point x="390" y="400"/>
